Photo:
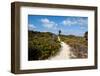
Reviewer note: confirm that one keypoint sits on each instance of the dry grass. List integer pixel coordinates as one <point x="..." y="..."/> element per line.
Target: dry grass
<point x="79" y="46"/>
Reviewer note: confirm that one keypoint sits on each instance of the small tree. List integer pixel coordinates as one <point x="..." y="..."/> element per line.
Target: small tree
<point x="86" y="35"/>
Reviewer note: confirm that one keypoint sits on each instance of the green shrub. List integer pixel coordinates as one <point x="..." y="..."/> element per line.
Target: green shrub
<point x="41" y="45"/>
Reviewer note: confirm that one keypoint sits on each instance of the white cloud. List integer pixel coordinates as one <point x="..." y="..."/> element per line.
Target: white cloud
<point x="48" y="24"/>
<point x="74" y="21"/>
<point x="82" y="21"/>
<point x="82" y="28"/>
<point x="45" y="20"/>
<point x="69" y="22"/>
<point x="31" y="27"/>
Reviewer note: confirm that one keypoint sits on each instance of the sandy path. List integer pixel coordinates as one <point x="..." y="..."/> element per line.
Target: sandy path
<point x="64" y="52"/>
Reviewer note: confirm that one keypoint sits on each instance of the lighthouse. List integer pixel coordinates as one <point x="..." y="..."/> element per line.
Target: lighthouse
<point x="59" y="32"/>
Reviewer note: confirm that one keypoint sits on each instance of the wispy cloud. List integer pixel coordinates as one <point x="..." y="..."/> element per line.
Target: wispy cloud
<point x="82" y="28"/>
<point x="74" y="21"/>
<point x="48" y="24"/>
<point x="68" y="22"/>
<point x="31" y="27"/>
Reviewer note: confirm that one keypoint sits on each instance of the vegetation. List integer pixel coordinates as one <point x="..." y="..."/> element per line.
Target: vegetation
<point x="42" y="45"/>
<point x="86" y="35"/>
<point x="79" y="45"/>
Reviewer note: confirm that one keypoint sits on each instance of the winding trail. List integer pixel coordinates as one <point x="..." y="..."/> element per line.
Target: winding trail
<point x="64" y="52"/>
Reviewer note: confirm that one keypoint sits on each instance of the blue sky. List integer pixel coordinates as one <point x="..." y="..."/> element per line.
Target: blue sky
<point x="69" y="25"/>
